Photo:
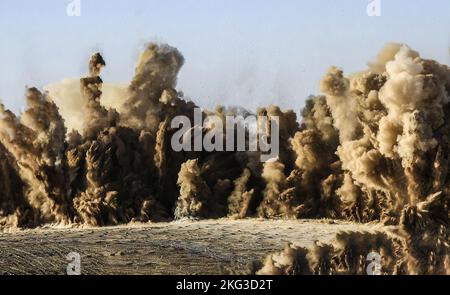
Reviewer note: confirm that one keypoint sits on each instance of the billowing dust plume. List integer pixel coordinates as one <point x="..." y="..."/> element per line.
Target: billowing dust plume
<point x="372" y="148"/>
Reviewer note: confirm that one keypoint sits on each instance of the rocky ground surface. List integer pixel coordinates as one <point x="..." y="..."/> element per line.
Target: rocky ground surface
<point x="182" y="247"/>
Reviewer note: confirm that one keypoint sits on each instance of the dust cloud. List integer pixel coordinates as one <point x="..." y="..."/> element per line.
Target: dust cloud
<point x="373" y="147"/>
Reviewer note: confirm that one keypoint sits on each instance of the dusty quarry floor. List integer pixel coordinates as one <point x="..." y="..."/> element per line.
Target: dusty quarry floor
<point x="182" y="247"/>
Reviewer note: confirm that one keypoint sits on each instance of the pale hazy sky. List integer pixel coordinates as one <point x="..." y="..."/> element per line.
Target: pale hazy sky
<point x="238" y="52"/>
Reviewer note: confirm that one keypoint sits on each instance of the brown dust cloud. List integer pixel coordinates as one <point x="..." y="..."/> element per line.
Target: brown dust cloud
<point x="372" y="148"/>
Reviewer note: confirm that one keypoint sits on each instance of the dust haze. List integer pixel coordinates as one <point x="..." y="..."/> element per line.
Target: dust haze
<point x="371" y="149"/>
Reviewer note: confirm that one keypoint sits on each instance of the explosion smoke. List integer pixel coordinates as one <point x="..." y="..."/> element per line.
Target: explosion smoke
<point x="373" y="148"/>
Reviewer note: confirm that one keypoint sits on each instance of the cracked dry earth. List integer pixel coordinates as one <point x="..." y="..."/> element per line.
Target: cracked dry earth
<point x="182" y="247"/>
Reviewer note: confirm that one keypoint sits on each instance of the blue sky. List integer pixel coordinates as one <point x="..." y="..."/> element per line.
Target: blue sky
<point x="238" y="52"/>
